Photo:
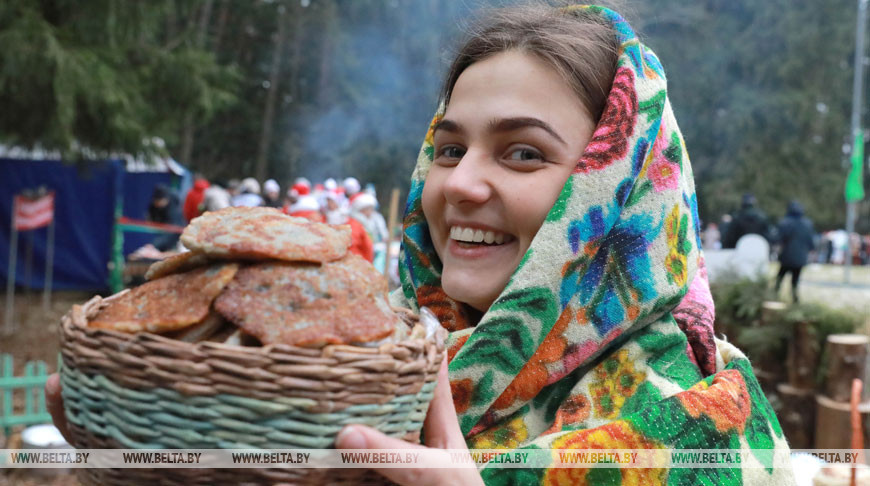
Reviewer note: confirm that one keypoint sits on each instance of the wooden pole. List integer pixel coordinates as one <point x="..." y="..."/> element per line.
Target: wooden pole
<point x="391" y="226"/>
<point x="393" y="216"/>
<point x="855" y="418"/>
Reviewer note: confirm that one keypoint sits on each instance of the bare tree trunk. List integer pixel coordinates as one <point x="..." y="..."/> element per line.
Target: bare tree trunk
<point x="262" y="165"/>
<point x="189" y="125"/>
<point x="204" y="17"/>
<point x="326" y="53"/>
<point x="294" y="89"/>
<point x="223" y="14"/>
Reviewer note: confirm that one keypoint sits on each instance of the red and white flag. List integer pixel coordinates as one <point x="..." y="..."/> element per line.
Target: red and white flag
<point x="32" y="213"/>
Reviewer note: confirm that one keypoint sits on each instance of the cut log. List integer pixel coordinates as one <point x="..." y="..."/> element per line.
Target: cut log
<point x="833" y="425"/>
<point x="803" y="358"/>
<point x="797" y="415"/>
<point x="772" y="311"/>
<point x="847" y="359"/>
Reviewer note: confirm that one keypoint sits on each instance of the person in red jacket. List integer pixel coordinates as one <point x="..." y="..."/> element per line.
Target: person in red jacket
<point x="193" y="201"/>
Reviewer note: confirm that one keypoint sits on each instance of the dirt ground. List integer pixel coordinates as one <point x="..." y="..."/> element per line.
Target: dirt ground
<point x="35" y="338"/>
<point x="21" y="477"/>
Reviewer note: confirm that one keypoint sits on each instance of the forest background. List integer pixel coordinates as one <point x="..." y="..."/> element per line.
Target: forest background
<point x="334" y="88"/>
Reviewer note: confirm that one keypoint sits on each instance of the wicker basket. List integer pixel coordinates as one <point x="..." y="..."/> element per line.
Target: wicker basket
<point x="151" y="392"/>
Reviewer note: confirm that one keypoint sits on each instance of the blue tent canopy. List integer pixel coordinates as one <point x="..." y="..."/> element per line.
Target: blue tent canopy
<point x="85" y="199"/>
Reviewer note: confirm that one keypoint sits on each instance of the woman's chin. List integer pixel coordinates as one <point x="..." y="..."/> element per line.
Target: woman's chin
<point x="477" y="289"/>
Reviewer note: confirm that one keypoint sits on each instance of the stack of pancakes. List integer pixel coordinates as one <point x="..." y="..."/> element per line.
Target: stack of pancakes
<point x="256" y="275"/>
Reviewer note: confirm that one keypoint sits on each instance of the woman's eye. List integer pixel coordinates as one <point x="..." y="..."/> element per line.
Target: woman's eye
<point x="525" y="154"/>
<point x="451" y="152"/>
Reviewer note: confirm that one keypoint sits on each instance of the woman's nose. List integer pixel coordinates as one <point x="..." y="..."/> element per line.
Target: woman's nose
<point x="469" y="181"/>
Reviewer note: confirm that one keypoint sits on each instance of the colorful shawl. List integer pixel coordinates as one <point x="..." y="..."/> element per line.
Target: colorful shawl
<point x="603" y="336"/>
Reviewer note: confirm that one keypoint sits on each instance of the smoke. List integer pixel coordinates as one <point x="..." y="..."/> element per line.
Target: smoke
<point x="384" y="72"/>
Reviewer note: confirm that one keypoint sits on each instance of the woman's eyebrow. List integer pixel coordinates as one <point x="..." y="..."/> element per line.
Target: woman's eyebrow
<point x="510" y="124"/>
<point x="448" y="126"/>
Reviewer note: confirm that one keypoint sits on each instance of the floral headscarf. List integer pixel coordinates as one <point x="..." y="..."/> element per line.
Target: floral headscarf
<point x="586" y="347"/>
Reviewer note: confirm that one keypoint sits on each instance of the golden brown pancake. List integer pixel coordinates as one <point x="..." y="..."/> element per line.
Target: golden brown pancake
<point x="340" y="302"/>
<point x="167" y="304"/>
<point x="265" y="233"/>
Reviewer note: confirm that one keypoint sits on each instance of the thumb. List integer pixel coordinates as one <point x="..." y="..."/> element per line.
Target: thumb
<point x="441" y="427"/>
<point x="427" y="466"/>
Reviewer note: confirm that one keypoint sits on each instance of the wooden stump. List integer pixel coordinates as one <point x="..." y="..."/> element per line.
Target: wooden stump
<point x="772" y="311"/>
<point x="797" y="415"/>
<point x="833" y="424"/>
<point x="803" y="358"/>
<point x="847" y="359"/>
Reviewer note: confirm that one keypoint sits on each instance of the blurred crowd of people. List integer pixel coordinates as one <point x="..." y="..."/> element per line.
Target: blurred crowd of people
<point x="793" y="241"/>
<point x="829" y="247"/>
<point x="332" y="201"/>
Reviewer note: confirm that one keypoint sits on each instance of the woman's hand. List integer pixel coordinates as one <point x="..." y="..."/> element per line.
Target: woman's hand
<point x="54" y="403"/>
<point x="440" y="430"/>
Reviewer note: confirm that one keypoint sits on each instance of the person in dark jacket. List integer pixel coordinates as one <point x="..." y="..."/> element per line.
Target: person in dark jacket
<point x="749" y="220"/>
<point x="797" y="238"/>
<point x="165" y="208"/>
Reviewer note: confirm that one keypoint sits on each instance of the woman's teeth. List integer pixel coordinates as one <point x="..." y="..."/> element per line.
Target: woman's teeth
<point x="469" y="235"/>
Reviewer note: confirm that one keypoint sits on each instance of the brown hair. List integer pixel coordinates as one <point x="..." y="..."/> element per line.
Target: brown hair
<point x="580" y="45"/>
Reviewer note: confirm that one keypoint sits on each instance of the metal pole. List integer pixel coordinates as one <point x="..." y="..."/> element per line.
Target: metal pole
<point x="28" y="269"/>
<point x="49" y="267"/>
<point x="8" y="326"/>
<point x="857" y="93"/>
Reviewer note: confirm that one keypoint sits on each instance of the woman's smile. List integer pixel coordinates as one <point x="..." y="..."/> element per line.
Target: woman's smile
<point x="468" y="241"/>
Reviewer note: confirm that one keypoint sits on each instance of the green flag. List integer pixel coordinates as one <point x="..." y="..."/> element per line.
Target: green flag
<point x="855" y="181"/>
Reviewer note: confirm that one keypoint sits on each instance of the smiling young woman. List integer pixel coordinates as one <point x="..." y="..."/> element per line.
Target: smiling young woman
<point x="552" y="227"/>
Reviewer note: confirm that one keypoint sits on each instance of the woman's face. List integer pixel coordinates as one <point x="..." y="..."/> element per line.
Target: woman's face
<point x="512" y="134"/>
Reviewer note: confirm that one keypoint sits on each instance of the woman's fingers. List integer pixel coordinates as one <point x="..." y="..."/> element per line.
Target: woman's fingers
<point x="441" y="427"/>
<point x="54" y="403"/>
<point x="362" y="437"/>
<point x="425" y="474"/>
